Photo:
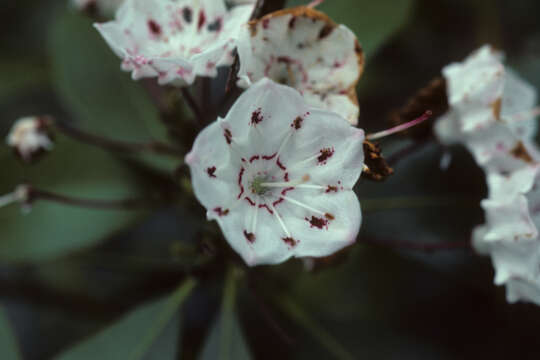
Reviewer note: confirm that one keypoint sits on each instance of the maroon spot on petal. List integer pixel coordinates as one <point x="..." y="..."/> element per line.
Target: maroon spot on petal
<point x="228" y="136"/>
<point x="256" y="117"/>
<point x="187" y="15"/>
<point x="221" y="212"/>
<point x="329" y="216"/>
<point x="326" y="153"/>
<point x="317" y="222"/>
<point x="325" y="31"/>
<point x="251" y="202"/>
<point x="250" y="237"/>
<point x="297" y="123"/>
<point x="269" y="157"/>
<point x="292" y="22"/>
<point x="275" y="203"/>
<point x="331" y="188"/>
<point x="210" y="65"/>
<point x="216" y="25"/>
<point x="286" y="190"/>
<point x="264" y="206"/>
<point x="202" y="20"/>
<point x="284" y="59"/>
<point x="253" y="158"/>
<point x="265" y="23"/>
<point x="154" y="27"/>
<point x="211" y="171"/>
<point x="286" y="176"/>
<point x="240" y="175"/>
<point x="289" y="241"/>
<point x="280" y="165"/>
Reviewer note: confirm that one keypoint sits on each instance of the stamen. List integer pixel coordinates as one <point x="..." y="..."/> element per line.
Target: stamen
<point x="280" y="221"/>
<point x="315" y="3"/>
<point x="284" y="184"/>
<point x="296" y="202"/>
<point x="401" y="127"/>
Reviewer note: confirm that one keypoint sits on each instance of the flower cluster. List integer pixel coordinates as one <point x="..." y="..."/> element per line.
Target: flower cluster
<point x="491" y="113"/>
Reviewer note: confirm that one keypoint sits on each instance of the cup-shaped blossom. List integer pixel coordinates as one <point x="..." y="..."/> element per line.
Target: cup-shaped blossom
<point x="175" y="40"/>
<point x="29" y="137"/>
<point x="305" y="49"/>
<point x="510" y="235"/>
<point x="490" y="112"/>
<point x="277" y="175"/>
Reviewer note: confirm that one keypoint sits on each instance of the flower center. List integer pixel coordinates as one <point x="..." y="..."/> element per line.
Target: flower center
<point x="257" y="186"/>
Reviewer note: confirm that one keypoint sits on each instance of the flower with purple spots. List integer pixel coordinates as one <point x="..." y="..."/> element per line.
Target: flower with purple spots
<point x="279" y="191"/>
<point x="305" y="49"/>
<point x="175" y="40"/>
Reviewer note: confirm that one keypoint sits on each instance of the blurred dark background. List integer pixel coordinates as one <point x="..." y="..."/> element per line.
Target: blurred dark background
<point x="65" y="273"/>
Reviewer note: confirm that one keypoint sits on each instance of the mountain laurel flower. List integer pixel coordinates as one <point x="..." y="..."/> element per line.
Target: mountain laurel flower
<point x="29" y="137"/>
<point x="175" y="40"/>
<point x="491" y="112"/>
<point x="305" y="49"/>
<point x="277" y="175"/>
<point x="510" y="235"/>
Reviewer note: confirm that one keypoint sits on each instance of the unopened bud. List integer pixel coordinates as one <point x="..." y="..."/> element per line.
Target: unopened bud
<point x="30" y="137"/>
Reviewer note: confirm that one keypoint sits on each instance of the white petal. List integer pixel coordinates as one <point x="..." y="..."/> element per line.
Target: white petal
<point x="174" y="40"/>
<point x="306" y="50"/>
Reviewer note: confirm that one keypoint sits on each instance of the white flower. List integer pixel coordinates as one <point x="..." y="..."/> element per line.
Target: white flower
<point x="104" y="7"/>
<point x="277" y="175"/>
<point x="490" y="112"/>
<point x="510" y="234"/>
<point x="305" y="49"/>
<point x="29" y="137"/>
<point x="174" y="40"/>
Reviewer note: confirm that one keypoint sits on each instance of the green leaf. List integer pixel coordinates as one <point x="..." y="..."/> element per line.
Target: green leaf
<point x="226" y="341"/>
<point x="373" y="22"/>
<point x="19" y="75"/>
<point x="52" y="230"/>
<point x="324" y="337"/>
<point x="138" y="335"/>
<point x="8" y="344"/>
<point x="101" y="98"/>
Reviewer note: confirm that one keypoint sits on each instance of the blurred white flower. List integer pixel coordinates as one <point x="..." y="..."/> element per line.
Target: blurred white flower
<point x="175" y="40"/>
<point x="491" y="112"/>
<point x="277" y="175"/>
<point x="303" y="48"/>
<point x="29" y="137"/>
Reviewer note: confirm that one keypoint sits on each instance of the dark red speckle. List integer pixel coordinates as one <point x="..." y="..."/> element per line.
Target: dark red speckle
<point x="286" y="190"/>
<point x="286" y="177"/>
<point x="256" y="117"/>
<point x="240" y="175"/>
<point x="292" y="22"/>
<point x="251" y="202"/>
<point x="265" y="23"/>
<point x="187" y="14"/>
<point x="264" y="206"/>
<point x="216" y="25"/>
<point x="250" y="237"/>
<point x="331" y="188"/>
<point x="202" y="20"/>
<point x="228" y="136"/>
<point x="269" y="157"/>
<point x="290" y="241"/>
<point x="281" y="166"/>
<point x="154" y="28"/>
<point x="253" y="158"/>
<point x="277" y="202"/>
<point x="211" y="171"/>
<point x="326" y="153"/>
<point x="297" y="123"/>
<point x="221" y="212"/>
<point x="284" y="59"/>
<point x="317" y="222"/>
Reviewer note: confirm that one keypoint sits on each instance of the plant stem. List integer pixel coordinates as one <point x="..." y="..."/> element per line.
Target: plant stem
<point x="124" y="204"/>
<point x="114" y="145"/>
<point x="192" y="104"/>
<point x="408" y="245"/>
